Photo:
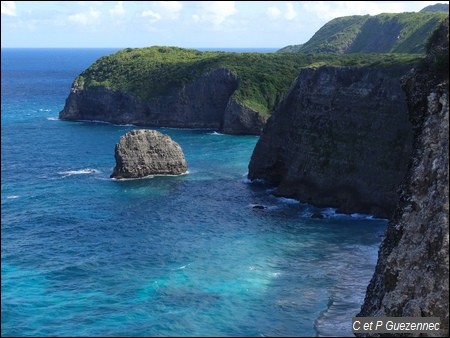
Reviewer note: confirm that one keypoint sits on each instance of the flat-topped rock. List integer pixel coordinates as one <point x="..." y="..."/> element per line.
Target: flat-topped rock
<point x="144" y="152"/>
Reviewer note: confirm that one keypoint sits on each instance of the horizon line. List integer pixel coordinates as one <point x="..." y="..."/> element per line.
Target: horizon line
<point x="140" y="47"/>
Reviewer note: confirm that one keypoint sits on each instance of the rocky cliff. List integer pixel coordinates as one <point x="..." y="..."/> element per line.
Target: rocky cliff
<point x="206" y="102"/>
<point x="412" y="272"/>
<point x="176" y="87"/>
<point x="340" y="138"/>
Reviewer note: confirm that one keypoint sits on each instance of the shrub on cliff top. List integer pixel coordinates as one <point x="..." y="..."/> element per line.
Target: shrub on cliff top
<point x="263" y="77"/>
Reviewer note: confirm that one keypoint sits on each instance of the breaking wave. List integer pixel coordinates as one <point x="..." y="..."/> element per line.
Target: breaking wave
<point x="85" y="171"/>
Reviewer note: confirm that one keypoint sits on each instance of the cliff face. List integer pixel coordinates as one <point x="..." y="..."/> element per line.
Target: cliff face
<point x="206" y="102"/>
<point x="239" y="119"/>
<point x="340" y="138"/>
<point x="412" y="272"/>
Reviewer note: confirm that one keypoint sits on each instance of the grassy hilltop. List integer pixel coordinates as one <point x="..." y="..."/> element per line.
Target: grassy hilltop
<point x="263" y="78"/>
<point x="383" y="33"/>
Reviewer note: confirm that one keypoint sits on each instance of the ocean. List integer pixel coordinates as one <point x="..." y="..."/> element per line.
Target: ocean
<point x="85" y="255"/>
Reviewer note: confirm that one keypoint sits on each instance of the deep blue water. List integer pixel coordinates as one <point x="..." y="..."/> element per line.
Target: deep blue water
<point x="85" y="255"/>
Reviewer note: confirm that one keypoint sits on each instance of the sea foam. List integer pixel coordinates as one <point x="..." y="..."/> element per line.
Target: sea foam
<point x="84" y="171"/>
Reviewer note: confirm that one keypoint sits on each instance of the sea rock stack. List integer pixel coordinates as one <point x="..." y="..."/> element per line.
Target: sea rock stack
<point x="144" y="152"/>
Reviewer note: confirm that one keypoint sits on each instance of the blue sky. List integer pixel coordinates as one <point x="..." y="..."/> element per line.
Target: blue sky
<point x="190" y="24"/>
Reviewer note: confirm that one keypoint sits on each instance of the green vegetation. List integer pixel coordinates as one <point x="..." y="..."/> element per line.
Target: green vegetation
<point x="437" y="53"/>
<point x="383" y="33"/>
<point x="290" y="49"/>
<point x="336" y="36"/>
<point x="436" y="8"/>
<point x="263" y="78"/>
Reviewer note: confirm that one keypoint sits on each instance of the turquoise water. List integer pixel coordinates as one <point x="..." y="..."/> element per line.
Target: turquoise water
<point x="85" y="255"/>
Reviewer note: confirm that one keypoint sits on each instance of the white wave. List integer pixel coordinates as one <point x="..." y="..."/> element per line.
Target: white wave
<point x="53" y="118"/>
<point x="215" y="133"/>
<point x="12" y="197"/>
<point x="361" y="216"/>
<point x="330" y="212"/>
<point x="132" y="178"/>
<point x="46" y="110"/>
<point x="245" y="179"/>
<point x="286" y="200"/>
<point x="257" y="181"/>
<point x="307" y="214"/>
<point x="112" y="124"/>
<point x="184" y="128"/>
<point x="182" y="267"/>
<point x="79" y="172"/>
<point x="124" y="125"/>
<point x="148" y="176"/>
<point x="367" y="217"/>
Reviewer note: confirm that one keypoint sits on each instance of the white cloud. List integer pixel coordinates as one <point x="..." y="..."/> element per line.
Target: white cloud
<point x="290" y="11"/>
<point x="163" y="10"/>
<point x="8" y="8"/>
<point x="273" y="13"/>
<point x="327" y="10"/>
<point x="152" y="15"/>
<point x="88" y="3"/>
<point x="171" y="9"/>
<point x="118" y="9"/>
<point x="215" y="12"/>
<point x="85" y="17"/>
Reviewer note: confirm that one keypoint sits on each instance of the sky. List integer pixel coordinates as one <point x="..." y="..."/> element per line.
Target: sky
<point x="188" y="24"/>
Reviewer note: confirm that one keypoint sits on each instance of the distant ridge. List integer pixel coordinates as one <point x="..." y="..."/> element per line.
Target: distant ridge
<point x="384" y="33"/>
<point x="436" y="8"/>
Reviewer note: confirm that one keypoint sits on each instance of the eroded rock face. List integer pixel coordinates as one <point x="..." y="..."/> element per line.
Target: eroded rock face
<point x="141" y="153"/>
<point x="239" y="119"/>
<point x="340" y="138"/>
<point x="412" y="273"/>
<point x="206" y="102"/>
